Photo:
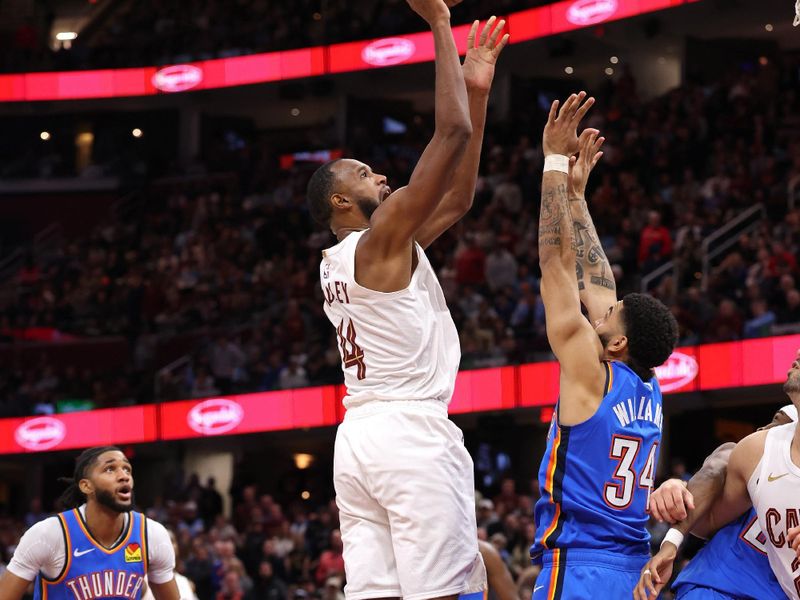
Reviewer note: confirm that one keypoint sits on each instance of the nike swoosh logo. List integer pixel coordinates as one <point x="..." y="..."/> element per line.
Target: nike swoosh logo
<point x="771" y="478"/>
<point x="78" y="553"/>
<point x="536" y="589"/>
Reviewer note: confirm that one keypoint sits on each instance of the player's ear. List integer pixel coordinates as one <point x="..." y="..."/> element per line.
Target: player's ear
<point x="85" y="486"/>
<point x="338" y="201"/>
<point x="618" y="344"/>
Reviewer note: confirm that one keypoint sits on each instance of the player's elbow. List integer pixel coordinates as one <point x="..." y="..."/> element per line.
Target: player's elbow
<point x="456" y="131"/>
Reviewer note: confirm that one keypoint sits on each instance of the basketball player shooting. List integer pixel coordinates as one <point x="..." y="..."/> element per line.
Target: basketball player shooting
<point x="404" y="481"/>
<point x="97" y="548"/>
<point x="602" y="448"/>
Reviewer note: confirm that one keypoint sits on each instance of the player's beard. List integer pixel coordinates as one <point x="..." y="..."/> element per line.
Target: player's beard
<point x="792" y="385"/>
<point x="367" y="206"/>
<point x="107" y="499"/>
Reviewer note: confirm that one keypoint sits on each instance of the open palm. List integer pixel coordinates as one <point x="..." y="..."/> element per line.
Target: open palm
<point x="481" y="57"/>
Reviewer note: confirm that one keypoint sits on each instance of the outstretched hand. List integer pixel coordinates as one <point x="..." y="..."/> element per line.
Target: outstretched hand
<point x="671" y="501"/>
<point x="561" y="132"/>
<point x="481" y="57"/>
<point x="580" y="166"/>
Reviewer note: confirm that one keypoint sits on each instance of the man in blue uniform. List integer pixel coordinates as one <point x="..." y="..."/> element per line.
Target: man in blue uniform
<point x="602" y="450"/>
<point x="98" y="547"/>
<point x="733" y="564"/>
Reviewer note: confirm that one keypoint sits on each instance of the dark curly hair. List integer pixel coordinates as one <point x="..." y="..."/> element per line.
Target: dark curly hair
<point x="319" y="192"/>
<point x="73" y="497"/>
<point x="652" y="333"/>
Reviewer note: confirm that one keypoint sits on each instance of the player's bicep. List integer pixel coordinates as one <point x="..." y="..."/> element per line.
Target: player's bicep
<point x="12" y="587"/>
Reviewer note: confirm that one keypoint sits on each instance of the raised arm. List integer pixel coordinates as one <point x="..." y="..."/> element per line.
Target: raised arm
<point x="395" y="222"/>
<point x="572" y="339"/>
<point x="596" y="284"/>
<point x="478" y="71"/>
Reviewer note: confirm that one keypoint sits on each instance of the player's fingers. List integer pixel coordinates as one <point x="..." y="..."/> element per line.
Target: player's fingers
<point x="658" y="509"/>
<point x="486" y="29"/>
<point x="577" y="104"/>
<point x="496" y="33"/>
<point x="572" y="161"/>
<point x="567" y="106"/>
<point x="581" y="112"/>
<point x="553" y="109"/>
<point x="503" y="43"/>
<point x="678" y="508"/>
<point x="596" y="158"/>
<point x="598" y="142"/>
<point x="585" y="138"/>
<point x="688" y="499"/>
<point x="472" y="33"/>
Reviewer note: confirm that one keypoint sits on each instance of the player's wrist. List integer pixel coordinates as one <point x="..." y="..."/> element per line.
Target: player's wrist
<point x="556" y="162"/>
<point x="673" y="537"/>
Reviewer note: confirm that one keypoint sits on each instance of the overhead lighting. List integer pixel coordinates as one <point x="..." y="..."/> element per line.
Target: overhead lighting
<point x="768" y="27"/>
<point x="763" y="61"/>
<point x="45" y="136"/>
<point x="569" y="70"/>
<point x="613" y="60"/>
<point x="137" y="133"/>
<point x="66" y="36"/>
<point x="609" y="71"/>
<point x="303" y="461"/>
<point x="295" y="112"/>
<point x="305" y="495"/>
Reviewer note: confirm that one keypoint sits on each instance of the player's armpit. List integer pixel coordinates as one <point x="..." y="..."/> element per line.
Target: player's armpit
<point x="575" y="344"/>
<point x="165" y="591"/>
<point x="12" y="587"/>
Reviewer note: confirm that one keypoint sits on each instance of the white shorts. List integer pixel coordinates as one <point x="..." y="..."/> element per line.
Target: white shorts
<point x="406" y="496"/>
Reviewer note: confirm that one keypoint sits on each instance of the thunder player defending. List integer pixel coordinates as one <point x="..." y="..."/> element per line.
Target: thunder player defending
<point x="733" y="564"/>
<point x="763" y="473"/>
<point x="403" y="479"/>
<point x="99" y="548"/>
<point x="602" y="449"/>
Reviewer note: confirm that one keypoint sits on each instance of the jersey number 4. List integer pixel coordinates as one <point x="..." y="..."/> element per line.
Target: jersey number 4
<point x="352" y="354"/>
<point x="619" y="493"/>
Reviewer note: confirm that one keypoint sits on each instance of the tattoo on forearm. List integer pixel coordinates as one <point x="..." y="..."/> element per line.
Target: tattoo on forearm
<point x="579" y="275"/>
<point x="603" y="281"/>
<point x="553" y="211"/>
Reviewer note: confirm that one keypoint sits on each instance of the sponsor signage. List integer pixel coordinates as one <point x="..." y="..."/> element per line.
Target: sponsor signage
<point x="539" y="22"/>
<point x="708" y="367"/>
<point x="177" y="78"/>
<point x="129" y="425"/>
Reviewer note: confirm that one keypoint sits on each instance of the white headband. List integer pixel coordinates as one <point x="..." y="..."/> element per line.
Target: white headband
<point x="790" y="410"/>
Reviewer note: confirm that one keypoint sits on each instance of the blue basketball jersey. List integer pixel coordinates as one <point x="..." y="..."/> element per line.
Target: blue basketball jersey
<point x="93" y="571"/>
<point x="734" y="562"/>
<point x="596" y="477"/>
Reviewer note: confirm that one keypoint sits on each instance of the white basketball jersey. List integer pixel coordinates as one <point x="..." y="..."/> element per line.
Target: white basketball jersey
<point x="394" y="346"/>
<point x="775" y="491"/>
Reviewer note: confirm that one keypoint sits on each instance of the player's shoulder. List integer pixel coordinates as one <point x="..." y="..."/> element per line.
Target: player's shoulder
<point x="47" y="525"/>
<point x="747" y="454"/>
<point x="154" y="528"/>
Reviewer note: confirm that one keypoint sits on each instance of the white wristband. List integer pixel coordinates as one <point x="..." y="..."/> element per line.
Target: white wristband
<point x="556" y="162"/>
<point x="674" y="537"/>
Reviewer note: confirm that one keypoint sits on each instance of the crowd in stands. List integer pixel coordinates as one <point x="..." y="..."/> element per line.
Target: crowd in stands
<point x="233" y="261"/>
<point x="264" y="549"/>
<point x="154" y="32"/>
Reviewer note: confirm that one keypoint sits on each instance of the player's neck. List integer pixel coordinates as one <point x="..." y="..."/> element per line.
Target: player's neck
<point x="345" y="230"/>
<point x="104" y="524"/>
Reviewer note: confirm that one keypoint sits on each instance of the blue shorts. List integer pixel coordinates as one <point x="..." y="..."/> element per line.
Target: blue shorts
<point x="698" y="592"/>
<point x="587" y="575"/>
<point x="473" y="596"/>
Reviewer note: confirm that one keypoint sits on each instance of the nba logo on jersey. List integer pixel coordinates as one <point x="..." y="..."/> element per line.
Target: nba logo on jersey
<point x="133" y="553"/>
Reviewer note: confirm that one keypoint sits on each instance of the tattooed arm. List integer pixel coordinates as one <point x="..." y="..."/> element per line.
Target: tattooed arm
<point x="571" y="337"/>
<point x="596" y="284"/>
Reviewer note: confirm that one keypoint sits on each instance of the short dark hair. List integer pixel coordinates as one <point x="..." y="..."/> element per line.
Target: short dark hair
<point x="319" y="192"/>
<point x="652" y="332"/>
<point x="73" y="497"/>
